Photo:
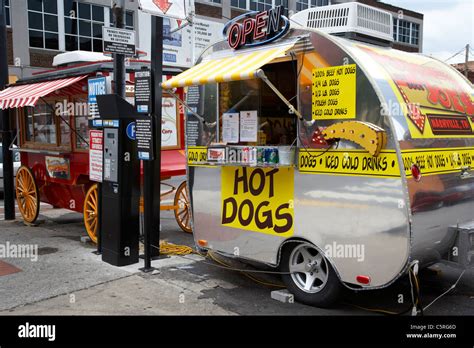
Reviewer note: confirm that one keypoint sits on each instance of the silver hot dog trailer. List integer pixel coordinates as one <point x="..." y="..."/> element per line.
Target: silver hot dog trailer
<point x="338" y="161"/>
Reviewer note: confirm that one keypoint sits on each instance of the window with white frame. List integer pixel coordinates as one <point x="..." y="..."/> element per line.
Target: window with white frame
<point x="43" y="24"/>
<point x="258" y="5"/>
<point x="129" y="20"/>
<point x="239" y="4"/>
<point x="305" y="4"/>
<point x="261" y="5"/>
<point x="415" y="33"/>
<point x="83" y="26"/>
<point x="7" y="13"/>
<point x="406" y="32"/>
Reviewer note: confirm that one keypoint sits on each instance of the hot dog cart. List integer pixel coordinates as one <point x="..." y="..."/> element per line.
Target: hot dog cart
<point x="53" y="117"/>
<point x="338" y="161"/>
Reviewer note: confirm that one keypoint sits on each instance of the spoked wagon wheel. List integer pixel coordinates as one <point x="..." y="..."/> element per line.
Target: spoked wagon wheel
<point x="91" y="212"/>
<point x="27" y="194"/>
<point x="183" y="212"/>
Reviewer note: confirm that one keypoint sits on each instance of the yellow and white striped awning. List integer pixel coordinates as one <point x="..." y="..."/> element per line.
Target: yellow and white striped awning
<point x="237" y="67"/>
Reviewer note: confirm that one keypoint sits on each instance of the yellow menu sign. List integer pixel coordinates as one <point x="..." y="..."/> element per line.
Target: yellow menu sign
<point x="334" y="93"/>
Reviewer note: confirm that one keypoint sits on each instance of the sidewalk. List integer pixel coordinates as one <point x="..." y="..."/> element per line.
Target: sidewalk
<point x="68" y="279"/>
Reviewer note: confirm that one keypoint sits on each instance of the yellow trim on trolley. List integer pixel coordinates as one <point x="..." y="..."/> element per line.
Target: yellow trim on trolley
<point x="357" y="162"/>
<point x="238" y="67"/>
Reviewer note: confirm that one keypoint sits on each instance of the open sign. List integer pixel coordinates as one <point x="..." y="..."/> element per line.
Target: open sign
<point x="256" y="28"/>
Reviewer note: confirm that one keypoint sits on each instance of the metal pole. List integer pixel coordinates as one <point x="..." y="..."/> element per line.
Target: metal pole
<point x="4" y="115"/>
<point x="119" y="59"/>
<point x="152" y="169"/>
<point x="466" y="65"/>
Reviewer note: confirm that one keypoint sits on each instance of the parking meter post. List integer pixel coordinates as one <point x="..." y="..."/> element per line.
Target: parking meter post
<point x="119" y="59"/>
<point x="8" y="174"/>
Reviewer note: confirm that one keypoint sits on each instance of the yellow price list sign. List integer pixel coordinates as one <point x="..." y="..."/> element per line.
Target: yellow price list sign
<point x="334" y="93"/>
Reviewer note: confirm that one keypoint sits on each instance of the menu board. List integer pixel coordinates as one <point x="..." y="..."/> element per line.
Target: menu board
<point x="334" y="92"/>
<point x="248" y="126"/>
<point x="230" y="128"/>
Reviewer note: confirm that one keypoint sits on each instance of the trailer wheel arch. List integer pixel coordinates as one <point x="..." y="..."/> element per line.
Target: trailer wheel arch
<point x="288" y="243"/>
<point x="330" y="284"/>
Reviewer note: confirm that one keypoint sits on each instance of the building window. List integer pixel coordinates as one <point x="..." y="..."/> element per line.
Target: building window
<point x="239" y="4"/>
<point x="43" y="24"/>
<point x="305" y="4"/>
<point x="406" y="32"/>
<point x="415" y="33"/>
<point x="83" y="26"/>
<point x="259" y="5"/>
<point x="129" y="20"/>
<point x="7" y="13"/>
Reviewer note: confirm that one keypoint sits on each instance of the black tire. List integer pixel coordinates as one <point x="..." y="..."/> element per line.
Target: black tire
<point x="328" y="294"/>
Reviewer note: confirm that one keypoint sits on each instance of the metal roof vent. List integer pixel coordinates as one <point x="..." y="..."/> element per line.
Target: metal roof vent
<point x="351" y="17"/>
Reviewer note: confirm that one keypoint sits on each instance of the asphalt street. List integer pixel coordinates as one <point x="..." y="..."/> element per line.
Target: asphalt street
<point x="68" y="278"/>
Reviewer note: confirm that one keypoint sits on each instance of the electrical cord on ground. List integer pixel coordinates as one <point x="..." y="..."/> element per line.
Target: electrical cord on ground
<point x="244" y="272"/>
<point x="183" y="250"/>
<point x="444" y="293"/>
<point x="213" y="264"/>
<point x="377" y="310"/>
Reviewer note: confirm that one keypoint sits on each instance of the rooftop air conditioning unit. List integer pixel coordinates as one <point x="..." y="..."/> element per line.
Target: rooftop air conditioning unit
<point x="350" y="19"/>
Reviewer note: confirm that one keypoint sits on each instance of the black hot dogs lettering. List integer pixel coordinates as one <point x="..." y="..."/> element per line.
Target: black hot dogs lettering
<point x="258" y="199"/>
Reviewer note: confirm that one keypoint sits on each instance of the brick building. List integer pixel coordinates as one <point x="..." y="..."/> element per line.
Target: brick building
<point x="39" y="29"/>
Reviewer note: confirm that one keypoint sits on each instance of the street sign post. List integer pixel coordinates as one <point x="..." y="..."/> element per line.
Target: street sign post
<point x="143" y="91"/>
<point x="144" y="137"/>
<point x="119" y="41"/>
<point x="96" y="86"/>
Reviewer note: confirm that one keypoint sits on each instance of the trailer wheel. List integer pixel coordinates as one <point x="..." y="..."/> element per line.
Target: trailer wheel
<point x="183" y="212"/>
<point x="91" y="212"/>
<point x="312" y="281"/>
<point x="27" y="195"/>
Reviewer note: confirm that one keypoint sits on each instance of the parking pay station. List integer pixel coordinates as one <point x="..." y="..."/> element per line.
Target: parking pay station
<point x="121" y="183"/>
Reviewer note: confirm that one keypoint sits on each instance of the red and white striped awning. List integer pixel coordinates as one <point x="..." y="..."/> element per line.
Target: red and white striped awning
<point x="28" y="95"/>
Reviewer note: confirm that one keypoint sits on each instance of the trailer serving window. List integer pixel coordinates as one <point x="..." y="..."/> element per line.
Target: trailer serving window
<point x="276" y="125"/>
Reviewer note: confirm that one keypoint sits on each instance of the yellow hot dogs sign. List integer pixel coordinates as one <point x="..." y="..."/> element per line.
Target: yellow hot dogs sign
<point x="258" y="199"/>
<point x="386" y="164"/>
